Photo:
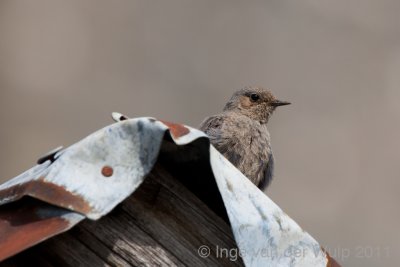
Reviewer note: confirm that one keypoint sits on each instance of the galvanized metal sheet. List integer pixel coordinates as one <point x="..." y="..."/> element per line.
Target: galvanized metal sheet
<point x="97" y="173"/>
<point x="265" y="235"/>
<point x="94" y="175"/>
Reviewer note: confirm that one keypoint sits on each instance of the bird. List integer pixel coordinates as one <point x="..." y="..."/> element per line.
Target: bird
<point x="240" y="133"/>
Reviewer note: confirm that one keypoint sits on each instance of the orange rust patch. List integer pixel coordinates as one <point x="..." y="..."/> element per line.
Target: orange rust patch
<point x="21" y="228"/>
<point x="107" y="171"/>
<point x="48" y="192"/>
<point x="177" y="130"/>
<point x="331" y="261"/>
<point x="56" y="195"/>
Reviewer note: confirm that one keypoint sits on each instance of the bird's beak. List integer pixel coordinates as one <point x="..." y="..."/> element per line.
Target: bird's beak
<point x="277" y="103"/>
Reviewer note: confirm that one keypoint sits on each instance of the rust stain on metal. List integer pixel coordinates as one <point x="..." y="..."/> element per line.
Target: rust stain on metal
<point x="107" y="171"/>
<point x="331" y="262"/>
<point x="55" y="194"/>
<point x="48" y="192"/>
<point x="177" y="130"/>
<point x="23" y="227"/>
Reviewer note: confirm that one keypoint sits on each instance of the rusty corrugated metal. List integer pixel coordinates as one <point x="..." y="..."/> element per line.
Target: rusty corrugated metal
<point x="91" y="177"/>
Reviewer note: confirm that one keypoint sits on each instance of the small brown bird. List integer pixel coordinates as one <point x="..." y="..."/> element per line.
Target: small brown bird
<point x="240" y="133"/>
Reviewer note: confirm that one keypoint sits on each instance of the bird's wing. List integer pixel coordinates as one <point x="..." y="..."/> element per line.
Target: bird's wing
<point x="221" y="132"/>
<point x="212" y="126"/>
<point x="268" y="172"/>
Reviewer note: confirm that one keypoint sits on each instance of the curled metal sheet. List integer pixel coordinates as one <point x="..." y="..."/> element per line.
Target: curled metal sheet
<point x="77" y="180"/>
<point x="94" y="175"/>
<point x="265" y="235"/>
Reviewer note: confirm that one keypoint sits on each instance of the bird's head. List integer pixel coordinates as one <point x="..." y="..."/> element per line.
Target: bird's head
<point x="254" y="102"/>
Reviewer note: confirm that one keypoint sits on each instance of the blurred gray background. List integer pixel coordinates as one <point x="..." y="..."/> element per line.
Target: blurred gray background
<point x="66" y="65"/>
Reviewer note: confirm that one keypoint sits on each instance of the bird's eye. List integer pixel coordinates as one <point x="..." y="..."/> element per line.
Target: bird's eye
<point x="254" y="97"/>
